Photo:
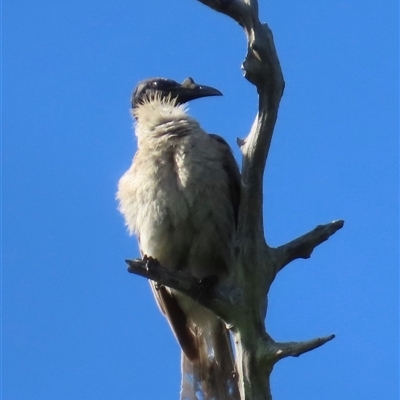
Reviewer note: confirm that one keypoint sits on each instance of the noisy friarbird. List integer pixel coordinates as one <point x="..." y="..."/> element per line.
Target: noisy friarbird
<point x="180" y="197"/>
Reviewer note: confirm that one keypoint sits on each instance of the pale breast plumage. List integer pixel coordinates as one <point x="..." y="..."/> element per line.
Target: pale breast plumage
<point x="174" y="196"/>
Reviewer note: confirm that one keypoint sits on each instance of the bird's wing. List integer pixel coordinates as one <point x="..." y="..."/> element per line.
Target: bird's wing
<point x="177" y="318"/>
<point x="232" y="170"/>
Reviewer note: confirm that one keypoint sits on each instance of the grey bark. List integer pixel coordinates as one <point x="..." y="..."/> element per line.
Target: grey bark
<point x="242" y="302"/>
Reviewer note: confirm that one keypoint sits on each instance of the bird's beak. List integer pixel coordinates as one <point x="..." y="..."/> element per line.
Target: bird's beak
<point x="189" y="90"/>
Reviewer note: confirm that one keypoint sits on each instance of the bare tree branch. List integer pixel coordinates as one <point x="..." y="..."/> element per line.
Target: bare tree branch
<point x="296" y="349"/>
<point x="262" y="68"/>
<point x="257" y="262"/>
<point x="219" y="298"/>
<point x="303" y="246"/>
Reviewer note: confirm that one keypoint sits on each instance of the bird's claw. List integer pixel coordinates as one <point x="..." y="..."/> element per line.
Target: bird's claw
<point x="151" y="265"/>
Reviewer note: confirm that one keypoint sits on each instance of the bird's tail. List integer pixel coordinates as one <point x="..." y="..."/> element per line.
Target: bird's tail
<point x="211" y="376"/>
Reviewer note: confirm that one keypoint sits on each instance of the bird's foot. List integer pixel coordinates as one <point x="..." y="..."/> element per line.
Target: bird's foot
<point x="151" y="265"/>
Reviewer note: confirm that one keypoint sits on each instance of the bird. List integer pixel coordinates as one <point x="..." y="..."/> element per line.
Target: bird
<point x="181" y="198"/>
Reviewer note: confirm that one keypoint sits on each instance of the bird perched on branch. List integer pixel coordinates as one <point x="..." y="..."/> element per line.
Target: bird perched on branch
<point x="181" y="197"/>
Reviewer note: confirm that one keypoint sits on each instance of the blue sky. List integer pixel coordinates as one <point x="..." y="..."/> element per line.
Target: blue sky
<point x="76" y="325"/>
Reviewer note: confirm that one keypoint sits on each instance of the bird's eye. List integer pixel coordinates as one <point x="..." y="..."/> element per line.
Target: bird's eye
<point x="154" y="84"/>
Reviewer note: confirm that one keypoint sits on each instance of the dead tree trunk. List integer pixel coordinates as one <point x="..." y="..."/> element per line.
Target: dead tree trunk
<point x="242" y="303"/>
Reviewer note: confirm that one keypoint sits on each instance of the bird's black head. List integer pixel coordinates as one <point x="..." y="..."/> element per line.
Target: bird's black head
<point x="167" y="88"/>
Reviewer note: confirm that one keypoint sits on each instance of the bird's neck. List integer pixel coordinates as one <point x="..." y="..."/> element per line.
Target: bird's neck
<point x="161" y="118"/>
